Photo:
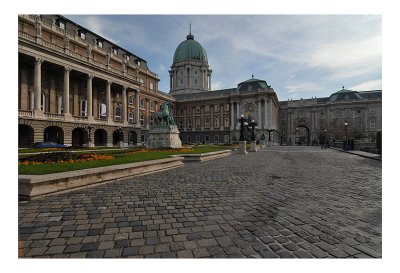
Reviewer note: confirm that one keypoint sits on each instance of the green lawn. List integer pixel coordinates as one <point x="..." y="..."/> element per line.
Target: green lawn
<point x="121" y="157"/>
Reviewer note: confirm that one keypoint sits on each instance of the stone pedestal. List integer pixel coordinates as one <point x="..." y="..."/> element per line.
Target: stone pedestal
<point x="121" y="144"/>
<point x="164" y="136"/>
<point x="90" y="143"/>
<point x="253" y="146"/>
<point x="242" y="147"/>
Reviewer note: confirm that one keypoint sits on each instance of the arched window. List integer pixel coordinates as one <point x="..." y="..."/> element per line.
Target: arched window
<point x="118" y="113"/>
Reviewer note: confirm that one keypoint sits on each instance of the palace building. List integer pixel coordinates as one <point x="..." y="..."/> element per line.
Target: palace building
<point x="77" y="88"/>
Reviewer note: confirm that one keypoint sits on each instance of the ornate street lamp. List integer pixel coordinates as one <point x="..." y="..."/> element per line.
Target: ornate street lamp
<point x="253" y="125"/>
<point x="243" y="122"/>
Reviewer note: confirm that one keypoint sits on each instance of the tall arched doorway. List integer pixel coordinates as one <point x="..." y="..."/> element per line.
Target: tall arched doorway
<point x="302" y="135"/>
<point x="54" y="134"/>
<point x="118" y="135"/>
<point x="100" y="137"/>
<point x="79" y="137"/>
<point x="132" y="138"/>
<point x="25" y="136"/>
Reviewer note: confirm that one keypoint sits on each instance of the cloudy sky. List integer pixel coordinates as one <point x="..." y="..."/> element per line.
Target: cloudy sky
<point x="300" y="56"/>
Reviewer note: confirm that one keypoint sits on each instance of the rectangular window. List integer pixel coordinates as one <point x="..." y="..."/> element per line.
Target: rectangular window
<point x="198" y="123"/>
<point x="151" y="86"/>
<point x="207" y="123"/>
<point x="198" y="109"/>
<point x="216" y="138"/>
<point x="226" y="122"/>
<point x="207" y="138"/>
<point x="151" y="104"/>
<point x="216" y="108"/>
<point x="118" y="111"/>
<point x="226" y="107"/>
<point x="102" y="110"/>
<point x="60" y="105"/>
<point x="189" y="123"/>
<point x="372" y="111"/>
<point x="127" y="58"/>
<point x="141" y="119"/>
<point x="337" y="112"/>
<point x="152" y="120"/>
<point x="347" y="112"/>
<point x="142" y="102"/>
<point x="43" y="102"/>
<point x="115" y="51"/>
<point x="358" y="111"/>
<point x="130" y="99"/>
<point x="138" y="62"/>
<point x="142" y="138"/>
<point x="181" y="124"/>
<point x="130" y="117"/>
<point x="99" y="43"/>
<point x="226" y="138"/>
<point x="84" y="108"/>
<point x="372" y="124"/>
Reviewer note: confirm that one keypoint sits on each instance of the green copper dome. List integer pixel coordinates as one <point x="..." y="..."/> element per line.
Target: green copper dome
<point x="190" y="50"/>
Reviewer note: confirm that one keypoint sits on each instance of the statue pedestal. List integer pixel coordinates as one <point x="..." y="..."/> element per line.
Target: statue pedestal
<point x="242" y="147"/>
<point x="164" y="136"/>
<point x="253" y="146"/>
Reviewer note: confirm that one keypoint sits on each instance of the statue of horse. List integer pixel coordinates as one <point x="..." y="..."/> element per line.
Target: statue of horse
<point x="165" y="115"/>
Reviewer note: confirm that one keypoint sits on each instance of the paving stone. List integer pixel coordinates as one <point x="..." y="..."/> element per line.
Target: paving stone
<point x="207" y="242"/>
<point x="95" y="254"/>
<point x="201" y="253"/>
<point x="129" y="251"/>
<point x="302" y="254"/>
<point x="185" y="254"/>
<point x="368" y="251"/>
<point x="338" y="253"/>
<point x="268" y="254"/>
<point x="73" y="248"/>
<point x="348" y="249"/>
<point x="55" y="250"/>
<point x="113" y="253"/>
<point x="143" y="250"/>
<point x="89" y="246"/>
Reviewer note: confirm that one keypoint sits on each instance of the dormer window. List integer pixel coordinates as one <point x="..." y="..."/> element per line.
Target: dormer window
<point x="82" y="34"/>
<point x="138" y="62"/>
<point x="127" y="57"/>
<point x="61" y="24"/>
<point x="114" y="51"/>
<point x="99" y="43"/>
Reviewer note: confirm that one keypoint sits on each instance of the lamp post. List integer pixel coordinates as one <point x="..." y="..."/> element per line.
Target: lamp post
<point x="120" y="138"/>
<point x="345" y="144"/>
<point x="253" y="143"/>
<point x="242" y="142"/>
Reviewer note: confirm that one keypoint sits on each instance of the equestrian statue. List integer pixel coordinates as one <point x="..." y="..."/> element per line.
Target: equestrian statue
<point x="164" y="116"/>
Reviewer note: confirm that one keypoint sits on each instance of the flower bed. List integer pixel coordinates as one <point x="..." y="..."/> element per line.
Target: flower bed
<point x="61" y="157"/>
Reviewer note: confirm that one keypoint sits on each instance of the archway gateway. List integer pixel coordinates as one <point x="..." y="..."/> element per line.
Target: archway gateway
<point x="54" y="134"/>
<point x="25" y="136"/>
<point x="100" y="137"/>
<point x="302" y="135"/>
<point x="79" y="137"/>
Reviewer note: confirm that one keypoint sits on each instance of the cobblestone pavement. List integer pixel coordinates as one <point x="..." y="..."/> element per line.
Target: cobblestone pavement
<point x="288" y="202"/>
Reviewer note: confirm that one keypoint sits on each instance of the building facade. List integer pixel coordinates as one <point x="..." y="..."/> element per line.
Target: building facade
<point x="79" y="89"/>
<point x="75" y="86"/>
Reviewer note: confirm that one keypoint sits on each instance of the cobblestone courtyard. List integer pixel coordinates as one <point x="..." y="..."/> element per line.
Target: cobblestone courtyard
<point x="280" y="202"/>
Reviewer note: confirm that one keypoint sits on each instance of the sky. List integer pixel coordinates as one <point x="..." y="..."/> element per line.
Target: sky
<point x="300" y="56"/>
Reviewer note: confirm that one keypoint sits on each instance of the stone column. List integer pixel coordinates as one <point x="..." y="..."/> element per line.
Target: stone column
<point x="209" y="81"/>
<point x="222" y="118"/>
<point x="238" y="110"/>
<point x="65" y="101"/>
<point x="170" y="79"/>
<point x="108" y="101"/>
<point x="37" y="83"/>
<point x="232" y="117"/>
<point x="184" y="120"/>
<point x="266" y="125"/>
<point x="270" y="114"/>
<point x="124" y="105"/>
<point x="189" y="77"/>
<point x="259" y="114"/>
<point x="137" y="112"/>
<point x="89" y="98"/>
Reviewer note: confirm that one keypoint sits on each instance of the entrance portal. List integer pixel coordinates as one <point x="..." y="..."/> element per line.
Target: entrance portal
<point x="302" y="135"/>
